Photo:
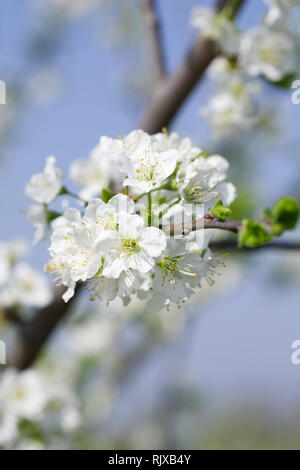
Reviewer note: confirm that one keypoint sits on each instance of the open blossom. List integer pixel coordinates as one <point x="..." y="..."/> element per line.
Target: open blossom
<point x="146" y="166"/>
<point x="278" y="10"/>
<point x="132" y="246"/>
<point x="36" y="214"/>
<point x="44" y="187"/>
<point x="204" y="184"/>
<point x="22" y="393"/>
<point x="179" y="272"/>
<point x="217" y="27"/>
<point x="103" y="244"/>
<point x="8" y="427"/>
<point x="95" y="172"/>
<point x="26" y="287"/>
<point x="267" y="52"/>
<point x="10" y="252"/>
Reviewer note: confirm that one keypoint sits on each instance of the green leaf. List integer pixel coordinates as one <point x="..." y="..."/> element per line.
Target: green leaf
<point x="107" y="194"/>
<point x="285" y="212"/>
<point x="220" y="212"/>
<point x="51" y="215"/>
<point x="253" y="234"/>
<point x="285" y="82"/>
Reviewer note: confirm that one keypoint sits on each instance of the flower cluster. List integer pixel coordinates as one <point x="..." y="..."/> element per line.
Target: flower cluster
<point x="31" y="408"/>
<point x="124" y="242"/>
<point x="21" y="286"/>
<point x="269" y="50"/>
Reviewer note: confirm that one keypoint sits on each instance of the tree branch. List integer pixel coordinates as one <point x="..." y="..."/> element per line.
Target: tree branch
<point x="153" y="27"/>
<point x="33" y="334"/>
<point x="206" y="222"/>
<point x="169" y="94"/>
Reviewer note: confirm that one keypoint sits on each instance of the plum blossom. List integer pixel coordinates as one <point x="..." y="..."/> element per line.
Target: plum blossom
<point x="44" y="187"/>
<point x="267" y="52"/>
<point x="109" y="247"/>
<point x="146" y="166"/>
<point x="278" y="10"/>
<point x="36" y="214"/>
<point x="216" y="27"/>
<point x="96" y="172"/>
<point x="26" y="288"/>
<point x="23" y="393"/>
<point x="204" y="184"/>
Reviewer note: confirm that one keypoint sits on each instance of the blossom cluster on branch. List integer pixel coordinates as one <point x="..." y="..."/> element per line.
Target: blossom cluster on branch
<point x="269" y="51"/>
<point x="139" y="231"/>
<point x="118" y="244"/>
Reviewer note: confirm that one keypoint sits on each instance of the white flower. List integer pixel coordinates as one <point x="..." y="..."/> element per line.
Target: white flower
<point x="79" y="244"/>
<point x="22" y="393"/>
<point x="94" y="173"/>
<point x="278" y="10"/>
<point x="162" y="141"/>
<point x="204" y="184"/>
<point x="37" y="216"/>
<point x="232" y="109"/>
<point x="268" y="53"/>
<point x="131" y="247"/>
<point x="44" y="187"/>
<point x="146" y="167"/>
<point x="26" y="287"/>
<point x="10" y="252"/>
<point x="8" y="427"/>
<point x="179" y="272"/>
<point x="216" y="27"/>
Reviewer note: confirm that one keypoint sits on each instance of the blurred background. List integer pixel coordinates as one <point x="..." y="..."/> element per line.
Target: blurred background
<point x="217" y="374"/>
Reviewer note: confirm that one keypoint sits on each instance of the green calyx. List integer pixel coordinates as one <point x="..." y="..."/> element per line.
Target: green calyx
<point x="220" y="212"/>
<point x="253" y="234"/>
<point x="107" y="194"/>
<point x="283" y="215"/>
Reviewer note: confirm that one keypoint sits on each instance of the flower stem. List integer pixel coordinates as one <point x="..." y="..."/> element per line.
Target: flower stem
<point x="149" y="208"/>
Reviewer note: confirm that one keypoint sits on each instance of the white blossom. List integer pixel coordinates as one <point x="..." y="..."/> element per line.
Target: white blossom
<point x="146" y="167"/>
<point x="26" y="288"/>
<point x="216" y="27"/>
<point x="36" y="214"/>
<point x="22" y="393"/>
<point x="204" y="184"/>
<point x="96" y="172"/>
<point x="44" y="187"/>
<point x="267" y="52"/>
<point x="10" y="252"/>
<point x="278" y="10"/>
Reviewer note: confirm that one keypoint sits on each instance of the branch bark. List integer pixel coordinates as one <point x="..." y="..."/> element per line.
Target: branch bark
<point x="170" y="93"/>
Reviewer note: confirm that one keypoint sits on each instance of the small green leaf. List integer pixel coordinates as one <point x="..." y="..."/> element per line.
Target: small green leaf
<point x="286" y="212"/>
<point x="220" y="212"/>
<point x="107" y="194"/>
<point x="51" y="215"/>
<point x="253" y="234"/>
<point x="285" y="82"/>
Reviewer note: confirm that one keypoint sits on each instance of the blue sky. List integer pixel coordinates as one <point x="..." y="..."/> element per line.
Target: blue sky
<point x="245" y="334"/>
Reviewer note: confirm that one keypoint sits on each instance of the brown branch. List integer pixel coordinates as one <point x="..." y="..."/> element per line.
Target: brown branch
<point x="168" y="96"/>
<point x="153" y="27"/>
<point x="207" y="223"/>
<point x="33" y="334"/>
<point x="170" y="93"/>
